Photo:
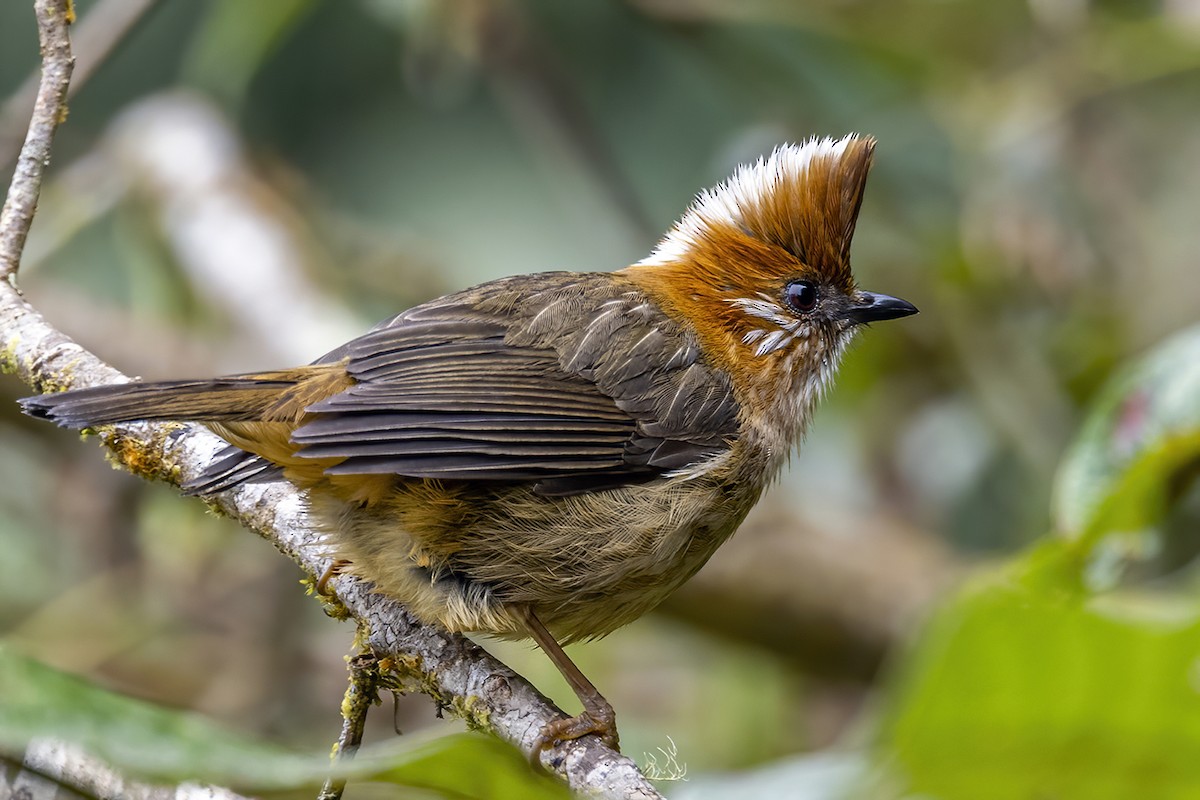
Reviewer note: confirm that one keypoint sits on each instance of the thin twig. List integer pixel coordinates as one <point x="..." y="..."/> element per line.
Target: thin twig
<point x="361" y="693"/>
<point x="53" y="18"/>
<point x="457" y="673"/>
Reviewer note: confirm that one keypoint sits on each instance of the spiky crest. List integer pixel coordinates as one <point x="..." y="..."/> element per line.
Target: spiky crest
<point x="726" y="263"/>
<point x="802" y="198"/>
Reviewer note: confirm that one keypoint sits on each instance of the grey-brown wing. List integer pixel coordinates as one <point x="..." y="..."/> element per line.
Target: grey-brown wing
<point x="577" y="385"/>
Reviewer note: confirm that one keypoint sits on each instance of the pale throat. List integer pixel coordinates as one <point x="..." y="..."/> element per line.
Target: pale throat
<point x="796" y="364"/>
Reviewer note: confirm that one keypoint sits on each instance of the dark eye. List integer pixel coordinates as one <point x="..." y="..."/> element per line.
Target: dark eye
<point x="801" y="296"/>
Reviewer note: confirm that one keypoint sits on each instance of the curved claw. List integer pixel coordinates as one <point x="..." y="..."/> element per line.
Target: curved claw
<point x="600" y="720"/>
<point x="335" y="568"/>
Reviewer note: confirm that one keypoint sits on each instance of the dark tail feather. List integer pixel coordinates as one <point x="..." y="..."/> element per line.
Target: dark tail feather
<point x="232" y="399"/>
<point x="233" y="467"/>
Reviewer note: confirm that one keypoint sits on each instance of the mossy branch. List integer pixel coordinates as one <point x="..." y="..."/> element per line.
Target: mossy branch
<point x="456" y="673"/>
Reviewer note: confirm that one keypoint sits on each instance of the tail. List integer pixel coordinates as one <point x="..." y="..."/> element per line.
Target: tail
<point x="238" y="398"/>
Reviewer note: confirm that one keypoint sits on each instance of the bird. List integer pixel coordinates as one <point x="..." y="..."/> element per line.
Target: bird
<point x="548" y="456"/>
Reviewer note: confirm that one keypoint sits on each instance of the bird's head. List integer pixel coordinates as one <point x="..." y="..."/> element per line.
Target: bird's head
<point x="759" y="267"/>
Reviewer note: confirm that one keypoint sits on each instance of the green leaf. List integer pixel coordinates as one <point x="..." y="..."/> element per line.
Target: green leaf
<point x="1015" y="692"/>
<point x="132" y="735"/>
<point x="168" y="745"/>
<point x="1143" y="428"/>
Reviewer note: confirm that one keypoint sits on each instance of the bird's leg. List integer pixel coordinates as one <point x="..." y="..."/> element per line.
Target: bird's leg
<point x="597" y="716"/>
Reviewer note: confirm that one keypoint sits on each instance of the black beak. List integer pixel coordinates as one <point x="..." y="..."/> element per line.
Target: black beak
<point x="871" y="307"/>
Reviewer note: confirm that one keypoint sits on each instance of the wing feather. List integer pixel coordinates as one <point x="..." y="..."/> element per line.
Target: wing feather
<point x="507" y="384"/>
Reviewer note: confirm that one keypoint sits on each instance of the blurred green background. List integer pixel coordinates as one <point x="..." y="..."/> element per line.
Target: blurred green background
<point x="977" y="579"/>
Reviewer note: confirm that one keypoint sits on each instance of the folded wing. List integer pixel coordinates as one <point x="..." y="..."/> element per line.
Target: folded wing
<point x="576" y="386"/>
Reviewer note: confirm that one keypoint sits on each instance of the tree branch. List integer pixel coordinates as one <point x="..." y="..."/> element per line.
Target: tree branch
<point x="53" y="17"/>
<point x="49" y="765"/>
<point x="361" y="693"/>
<point x="456" y="673"/>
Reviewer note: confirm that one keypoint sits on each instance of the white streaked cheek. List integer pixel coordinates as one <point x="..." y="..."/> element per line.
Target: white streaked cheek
<point x="782" y="328"/>
<point x="763" y="307"/>
<point x="772" y="342"/>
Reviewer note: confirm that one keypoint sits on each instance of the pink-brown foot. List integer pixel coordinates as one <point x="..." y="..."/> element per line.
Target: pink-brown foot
<point x="597" y="717"/>
<point x="600" y="720"/>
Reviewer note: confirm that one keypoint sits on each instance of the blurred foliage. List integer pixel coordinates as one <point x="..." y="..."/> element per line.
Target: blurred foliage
<point x="1143" y="430"/>
<point x="167" y="745"/>
<point x="1049" y="679"/>
<point x="1018" y="692"/>
<point x="1034" y="194"/>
